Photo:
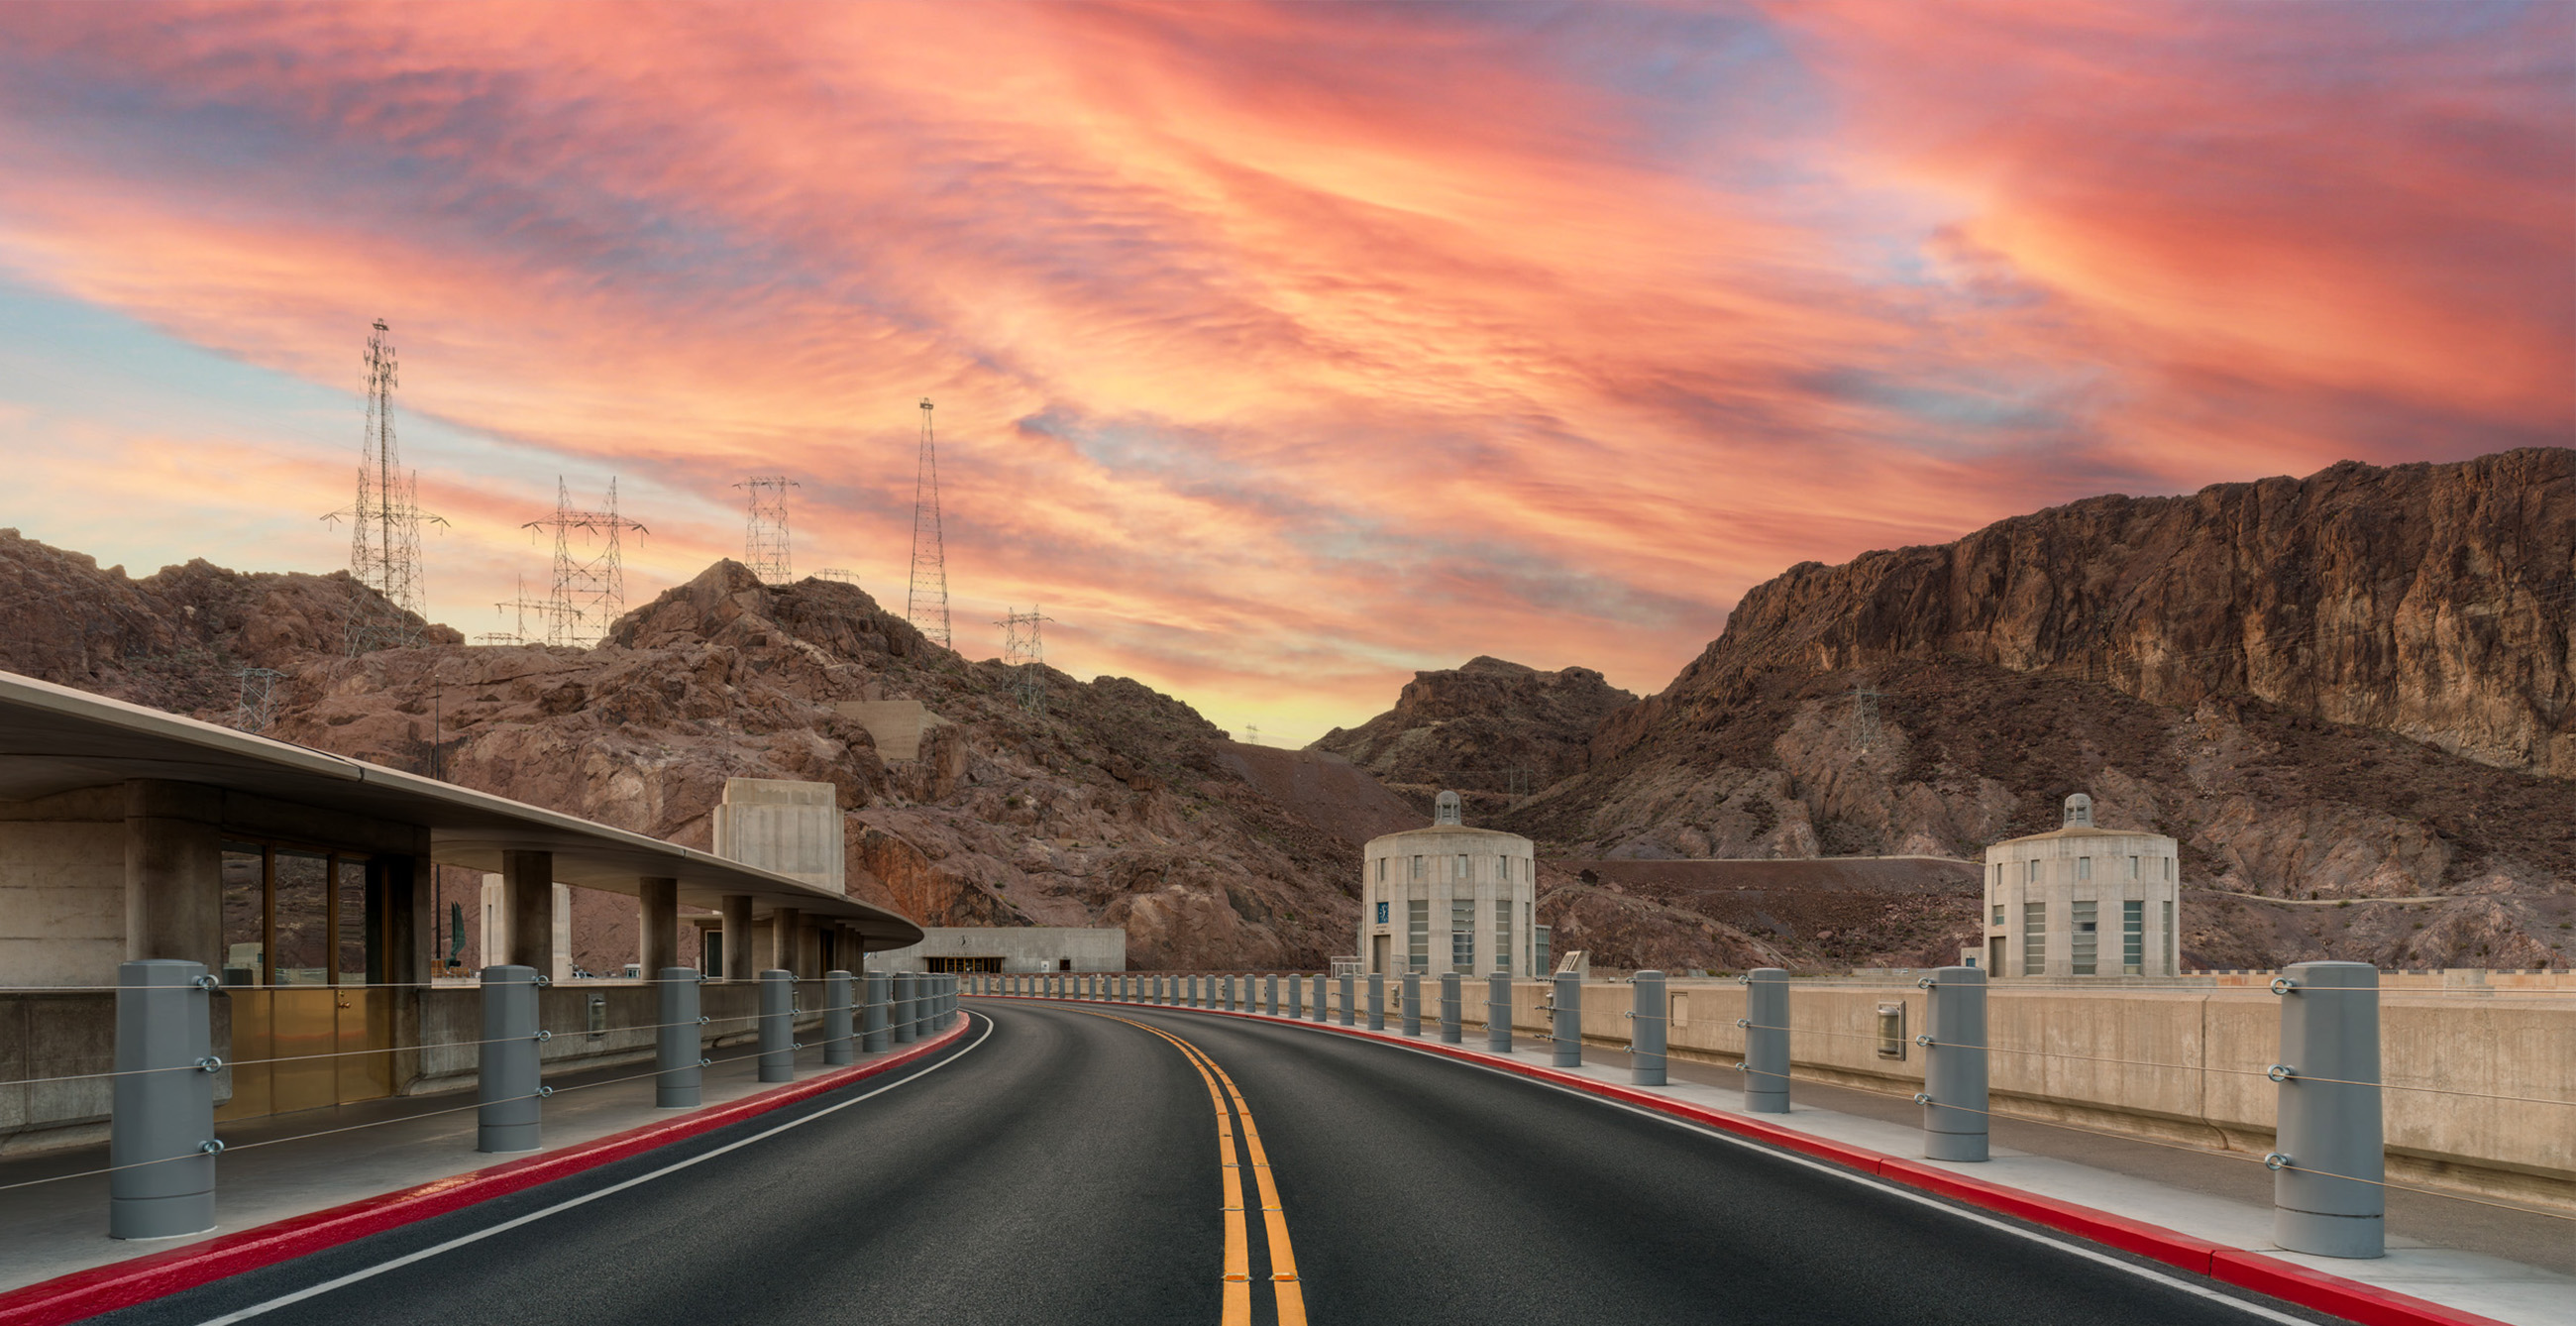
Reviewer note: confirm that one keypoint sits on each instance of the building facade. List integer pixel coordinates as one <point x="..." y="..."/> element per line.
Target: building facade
<point x="1448" y="898"/>
<point x="2083" y="901"/>
<point x="1010" y="949"/>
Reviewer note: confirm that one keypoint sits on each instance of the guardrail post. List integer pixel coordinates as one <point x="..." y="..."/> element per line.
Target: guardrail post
<point x="1766" y="1040"/>
<point x="163" y="1119"/>
<point x="872" y="1026"/>
<point x="1646" y="1031"/>
<point x="1954" y="1065"/>
<point x="677" y="1056"/>
<point x="1230" y="1005"/>
<point x="1451" y="1029"/>
<point x="1413" y="1003"/>
<point x="1270" y="993"/>
<point x="907" y="1011"/>
<point x="1347" y="1001"/>
<point x="2329" y="1158"/>
<point x="837" y="1047"/>
<point x="777" y="1025"/>
<point x="1317" y="1012"/>
<point x="1567" y="1024"/>
<point x="1498" y="1012"/>
<point x="509" y="1115"/>
<point x="1376" y="1001"/>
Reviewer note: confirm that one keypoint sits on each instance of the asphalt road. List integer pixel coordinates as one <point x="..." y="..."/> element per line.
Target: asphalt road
<point x="1061" y="1166"/>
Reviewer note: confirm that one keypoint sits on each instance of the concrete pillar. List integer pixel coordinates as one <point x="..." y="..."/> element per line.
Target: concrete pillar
<point x="1498" y="1013"/>
<point x="1346" y="999"/>
<point x="738" y="964"/>
<point x="777" y="1025"/>
<point x="1452" y="1029"/>
<point x="677" y="1058"/>
<point x="837" y="1045"/>
<point x="1318" y="1013"/>
<point x="809" y="950"/>
<point x="780" y="954"/>
<point x="1566" y="1026"/>
<point x="528" y="900"/>
<point x="1270" y="994"/>
<point x="2329" y="1158"/>
<point x="174" y="891"/>
<point x="657" y="923"/>
<point x="1377" y="1001"/>
<point x="163" y="1120"/>
<point x="905" y="1029"/>
<point x="1766" y="1040"/>
<point x="1413" y="1003"/>
<point x="1954" y="1065"/>
<point x="508" y="1086"/>
<point x="1646" y="1031"/>
<point x="873" y="1031"/>
<point x="409" y="906"/>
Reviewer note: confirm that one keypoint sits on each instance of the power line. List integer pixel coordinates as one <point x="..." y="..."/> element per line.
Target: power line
<point x="764" y="538"/>
<point x="386" y="594"/>
<point x="926" y="605"/>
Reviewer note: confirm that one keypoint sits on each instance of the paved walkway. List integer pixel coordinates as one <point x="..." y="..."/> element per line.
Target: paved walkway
<point x="286" y="1165"/>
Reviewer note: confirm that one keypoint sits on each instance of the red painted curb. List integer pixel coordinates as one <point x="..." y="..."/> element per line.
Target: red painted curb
<point x="2350" y="1299"/>
<point x="83" y="1294"/>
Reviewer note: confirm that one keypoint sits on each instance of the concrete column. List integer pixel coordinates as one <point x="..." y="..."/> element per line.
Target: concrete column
<point x="873" y="1031"/>
<point x="1954" y="1065"/>
<point x="1766" y="1040"/>
<point x="657" y="923"/>
<point x="837" y="1045"/>
<point x="809" y="950"/>
<point x="1376" y="1001"/>
<point x="1413" y="1003"/>
<point x="781" y="951"/>
<point x="1646" y="1031"/>
<point x="1498" y="1012"/>
<point x="174" y="891"/>
<point x="163" y="1119"/>
<point x="738" y="964"/>
<point x="1318" y="1013"/>
<point x="508" y="1086"/>
<point x="1296" y="1003"/>
<point x="777" y="1025"/>
<point x="528" y="900"/>
<point x="905" y="1029"/>
<point x="2329" y="1157"/>
<point x="1270" y="994"/>
<point x="409" y="907"/>
<point x="1452" y="1029"/>
<point x="677" y="1056"/>
<point x="1567" y="1023"/>
<point x="1346" y="999"/>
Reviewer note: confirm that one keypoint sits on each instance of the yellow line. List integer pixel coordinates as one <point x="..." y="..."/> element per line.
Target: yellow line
<point x="1285" y="1289"/>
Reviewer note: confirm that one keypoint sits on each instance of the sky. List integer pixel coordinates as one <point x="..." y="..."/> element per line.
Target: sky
<point x="1277" y="350"/>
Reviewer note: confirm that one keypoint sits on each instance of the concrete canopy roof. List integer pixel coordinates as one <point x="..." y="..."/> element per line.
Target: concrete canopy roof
<point x="54" y="739"/>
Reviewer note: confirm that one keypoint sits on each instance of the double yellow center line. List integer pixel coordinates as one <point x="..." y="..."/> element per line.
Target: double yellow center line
<point x="1231" y="1114"/>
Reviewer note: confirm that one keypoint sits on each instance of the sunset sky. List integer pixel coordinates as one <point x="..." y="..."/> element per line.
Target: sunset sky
<point x="1278" y="350"/>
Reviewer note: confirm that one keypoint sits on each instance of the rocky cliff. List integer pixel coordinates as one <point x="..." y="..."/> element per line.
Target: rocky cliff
<point x="2347" y="696"/>
<point x="1491" y="729"/>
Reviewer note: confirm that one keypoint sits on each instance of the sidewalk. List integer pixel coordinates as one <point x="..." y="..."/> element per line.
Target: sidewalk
<point x="286" y="1165"/>
<point x="2198" y="1194"/>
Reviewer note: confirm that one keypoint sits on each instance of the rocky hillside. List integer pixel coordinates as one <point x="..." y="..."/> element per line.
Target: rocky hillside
<point x="2347" y="696"/>
<point x="1491" y="730"/>
<point x="1115" y="806"/>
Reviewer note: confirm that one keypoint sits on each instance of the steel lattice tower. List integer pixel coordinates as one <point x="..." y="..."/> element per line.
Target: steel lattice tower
<point x="589" y="591"/>
<point x="926" y="606"/>
<point x="764" y="538"/>
<point x="385" y="604"/>
<point x="1024" y="652"/>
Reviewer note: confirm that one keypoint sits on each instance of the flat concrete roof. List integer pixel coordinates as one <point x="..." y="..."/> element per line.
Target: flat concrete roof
<point x="54" y="739"/>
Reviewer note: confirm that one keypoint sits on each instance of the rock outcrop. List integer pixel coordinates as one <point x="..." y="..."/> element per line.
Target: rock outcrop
<point x="1490" y="727"/>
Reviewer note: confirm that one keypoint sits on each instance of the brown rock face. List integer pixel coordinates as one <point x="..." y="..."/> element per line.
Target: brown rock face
<point x="1490" y="726"/>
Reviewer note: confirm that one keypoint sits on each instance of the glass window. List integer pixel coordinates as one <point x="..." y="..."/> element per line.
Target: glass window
<point x="1417" y="936"/>
<point x="1999" y="914"/>
<point x="2079" y="949"/>
<point x="1503" y="935"/>
<point x="245" y="876"/>
<point x="2173" y="944"/>
<point x="1417" y="868"/>
<point x="2133" y="867"/>
<point x="1462" y="866"/>
<point x="2133" y="936"/>
<point x="1462" y="936"/>
<point x="303" y="919"/>
<point x="2084" y="867"/>
<point x="2034" y="939"/>
<point x="350" y="895"/>
<point x="1381" y="870"/>
<point x="2034" y="872"/>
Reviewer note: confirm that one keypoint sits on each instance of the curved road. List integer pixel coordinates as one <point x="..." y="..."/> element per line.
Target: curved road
<point x="1064" y="1164"/>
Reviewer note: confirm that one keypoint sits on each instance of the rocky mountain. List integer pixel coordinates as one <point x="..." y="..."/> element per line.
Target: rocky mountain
<point x="1114" y="806"/>
<point x="2348" y="696"/>
<point x="1491" y="730"/>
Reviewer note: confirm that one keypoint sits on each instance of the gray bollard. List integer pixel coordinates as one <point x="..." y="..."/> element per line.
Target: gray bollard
<point x="872" y="1021"/>
<point x="2329" y="1157"/>
<point x="1318" y="1013"/>
<point x="1296" y="1000"/>
<point x="506" y="1087"/>
<point x="1376" y="1002"/>
<point x="1646" y="1031"/>
<point x="1498" y="1012"/>
<point x="1227" y="998"/>
<point x="901" y="1025"/>
<point x="1954" y="1065"/>
<point x="677" y="1058"/>
<point x="1567" y="1024"/>
<point x="1413" y="1003"/>
<point x="1452" y="1030"/>
<point x="777" y="1025"/>
<point x="163" y="1120"/>
<point x="837" y="1045"/>
<point x="1766" y="1040"/>
<point x="1346" y="999"/>
<point x="1270" y="993"/>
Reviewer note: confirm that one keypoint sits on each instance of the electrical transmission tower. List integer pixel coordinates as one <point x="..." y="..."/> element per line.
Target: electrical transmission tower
<point x="385" y="601"/>
<point x="520" y="605"/>
<point x="1252" y="734"/>
<point x="589" y="591"/>
<point x="764" y="538"/>
<point x="926" y="606"/>
<point x="1865" y="715"/>
<point x="1024" y="652"/>
<point x="840" y="573"/>
<point x="257" y="707"/>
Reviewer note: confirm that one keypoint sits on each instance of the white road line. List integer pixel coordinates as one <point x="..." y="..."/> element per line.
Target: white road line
<point x="353" y="1277"/>
<point x="1871" y="1181"/>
